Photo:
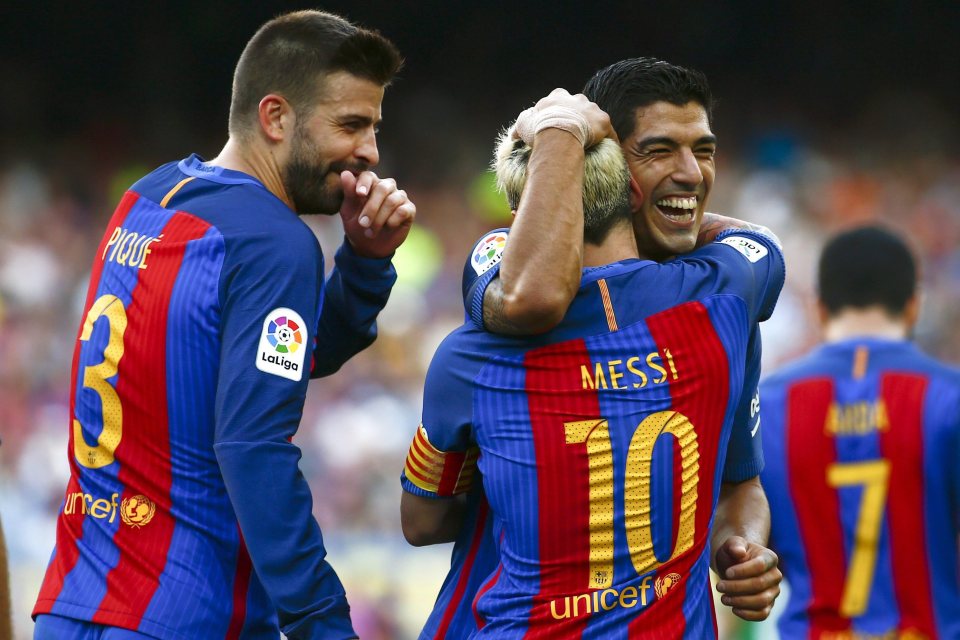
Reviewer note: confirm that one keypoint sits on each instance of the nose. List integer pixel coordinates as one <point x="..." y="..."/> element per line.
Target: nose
<point x="687" y="169"/>
<point x="366" y="150"/>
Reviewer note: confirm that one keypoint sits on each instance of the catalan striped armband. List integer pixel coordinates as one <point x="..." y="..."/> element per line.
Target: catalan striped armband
<point x="445" y="473"/>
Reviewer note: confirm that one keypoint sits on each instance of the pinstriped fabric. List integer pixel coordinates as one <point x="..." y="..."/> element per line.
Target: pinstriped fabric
<point x="199" y="503"/>
<point x="69" y="530"/>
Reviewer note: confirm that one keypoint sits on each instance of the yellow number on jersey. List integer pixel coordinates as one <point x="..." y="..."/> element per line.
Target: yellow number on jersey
<point x="595" y="434"/>
<point x="95" y="377"/>
<point x="873" y="476"/>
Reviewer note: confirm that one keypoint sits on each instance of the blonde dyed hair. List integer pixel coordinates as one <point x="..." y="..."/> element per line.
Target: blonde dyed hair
<point x="606" y="182"/>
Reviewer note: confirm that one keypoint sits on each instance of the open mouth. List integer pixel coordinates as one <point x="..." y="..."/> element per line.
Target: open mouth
<point x="680" y="210"/>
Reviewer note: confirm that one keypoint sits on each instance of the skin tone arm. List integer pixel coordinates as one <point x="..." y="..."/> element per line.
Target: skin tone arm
<point x="426" y="521"/>
<point x="6" y="628"/>
<point x="714" y="223"/>
<point x="750" y="579"/>
<point x="535" y="287"/>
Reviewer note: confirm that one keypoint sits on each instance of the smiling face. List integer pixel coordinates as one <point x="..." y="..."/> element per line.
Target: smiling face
<point x="671" y="157"/>
<point x="337" y="134"/>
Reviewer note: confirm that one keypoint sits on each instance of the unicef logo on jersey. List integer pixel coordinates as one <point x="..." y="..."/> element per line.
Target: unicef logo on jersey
<point x="280" y="351"/>
<point x="488" y="252"/>
<point x="284" y="335"/>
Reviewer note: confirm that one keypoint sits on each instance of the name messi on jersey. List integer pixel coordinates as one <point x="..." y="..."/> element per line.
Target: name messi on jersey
<point x="129" y="248"/>
<point x="634" y="372"/>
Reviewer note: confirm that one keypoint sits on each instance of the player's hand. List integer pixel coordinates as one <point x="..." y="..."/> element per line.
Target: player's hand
<point x="376" y="214"/>
<point x="749" y="578"/>
<point x="597" y="120"/>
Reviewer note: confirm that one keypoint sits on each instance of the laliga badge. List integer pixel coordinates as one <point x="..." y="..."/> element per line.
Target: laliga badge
<point x="282" y="344"/>
<point x="488" y="252"/>
<point x="749" y="248"/>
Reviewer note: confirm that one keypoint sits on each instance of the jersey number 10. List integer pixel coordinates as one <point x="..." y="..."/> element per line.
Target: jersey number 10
<point x="595" y="435"/>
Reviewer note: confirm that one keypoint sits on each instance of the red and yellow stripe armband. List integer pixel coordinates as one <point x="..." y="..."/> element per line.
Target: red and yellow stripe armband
<point x="445" y="473"/>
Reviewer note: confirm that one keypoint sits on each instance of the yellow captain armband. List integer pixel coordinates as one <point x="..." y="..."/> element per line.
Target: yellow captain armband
<point x="445" y="473"/>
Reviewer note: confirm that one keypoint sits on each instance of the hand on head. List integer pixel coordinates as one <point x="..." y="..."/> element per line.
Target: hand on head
<point x="572" y="113"/>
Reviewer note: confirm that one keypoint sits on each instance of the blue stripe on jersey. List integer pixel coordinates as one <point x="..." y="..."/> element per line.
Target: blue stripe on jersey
<point x="520" y="491"/>
<point x="97" y="553"/>
<point x="783" y="513"/>
<point x="697" y="608"/>
<point x="199" y="501"/>
<point x="941" y="471"/>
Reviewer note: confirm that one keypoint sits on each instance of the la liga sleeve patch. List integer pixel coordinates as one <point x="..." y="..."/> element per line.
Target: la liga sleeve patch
<point x="282" y="344"/>
<point x="748" y="247"/>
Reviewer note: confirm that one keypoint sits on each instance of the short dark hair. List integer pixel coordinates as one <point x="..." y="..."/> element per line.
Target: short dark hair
<point x="865" y="267"/>
<point x="291" y="54"/>
<point x="624" y="86"/>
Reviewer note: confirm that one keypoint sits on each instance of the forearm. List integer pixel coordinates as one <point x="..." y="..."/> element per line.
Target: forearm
<point x="356" y="291"/>
<point x="713" y="224"/>
<point x="427" y="521"/>
<point x="540" y="271"/>
<point x="6" y="629"/>
<point x="273" y="506"/>
<point x="742" y="510"/>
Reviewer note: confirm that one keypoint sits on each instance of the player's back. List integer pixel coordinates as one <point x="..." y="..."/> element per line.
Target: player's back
<point x="602" y="446"/>
<point x="147" y="537"/>
<point x="862" y="447"/>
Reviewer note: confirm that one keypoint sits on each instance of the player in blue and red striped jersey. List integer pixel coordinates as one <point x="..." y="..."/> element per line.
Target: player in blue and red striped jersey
<point x="186" y="515"/>
<point x="862" y="444"/>
<point x="566" y="424"/>
<point x="625" y="90"/>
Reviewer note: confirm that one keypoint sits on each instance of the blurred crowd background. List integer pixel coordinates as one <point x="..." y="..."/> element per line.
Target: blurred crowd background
<point x="830" y="114"/>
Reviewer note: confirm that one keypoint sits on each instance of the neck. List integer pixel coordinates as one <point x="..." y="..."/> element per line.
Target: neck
<point x="256" y="161"/>
<point x="620" y="244"/>
<point x="872" y="322"/>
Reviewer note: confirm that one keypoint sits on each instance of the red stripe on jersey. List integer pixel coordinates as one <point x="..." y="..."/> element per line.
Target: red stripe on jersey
<point x="69" y="530"/>
<point x="902" y="444"/>
<point x="241" y="582"/>
<point x="810" y="451"/>
<point x="482" y="510"/>
<point x="490" y="583"/>
<point x="144" y="450"/>
<point x="701" y="392"/>
<point x="554" y="397"/>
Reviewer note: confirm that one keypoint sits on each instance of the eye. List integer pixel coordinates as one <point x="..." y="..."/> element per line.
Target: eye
<point x="705" y="152"/>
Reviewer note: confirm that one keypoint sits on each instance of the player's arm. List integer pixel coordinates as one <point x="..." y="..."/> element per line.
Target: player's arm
<point x="540" y="272"/>
<point x="427" y="521"/>
<point x="749" y="576"/>
<point x="376" y="218"/>
<point x="714" y="223"/>
<point x="260" y="396"/>
<point x="441" y="465"/>
<point x="6" y="622"/>
<point x="354" y="294"/>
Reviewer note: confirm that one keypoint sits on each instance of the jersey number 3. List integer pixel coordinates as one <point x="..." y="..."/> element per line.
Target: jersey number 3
<point x="595" y="435"/>
<point x="95" y="377"/>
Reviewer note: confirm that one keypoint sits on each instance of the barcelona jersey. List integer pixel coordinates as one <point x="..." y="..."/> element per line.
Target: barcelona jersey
<point x="863" y="444"/>
<point x="602" y="444"/>
<point x="186" y="515"/>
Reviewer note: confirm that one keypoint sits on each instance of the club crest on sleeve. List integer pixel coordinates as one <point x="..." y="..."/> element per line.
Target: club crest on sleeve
<point x="748" y="247"/>
<point x="282" y="344"/>
<point x="488" y="251"/>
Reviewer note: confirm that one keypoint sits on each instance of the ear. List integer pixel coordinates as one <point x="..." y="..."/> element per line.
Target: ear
<point x="276" y="117"/>
<point x="823" y="315"/>
<point x="636" y="195"/>
<point x="513" y="213"/>
<point x="911" y="312"/>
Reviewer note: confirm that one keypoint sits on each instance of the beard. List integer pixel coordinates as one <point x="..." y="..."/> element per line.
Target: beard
<point x="314" y="186"/>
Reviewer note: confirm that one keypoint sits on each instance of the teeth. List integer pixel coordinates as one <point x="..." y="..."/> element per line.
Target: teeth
<point x="678" y="203"/>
